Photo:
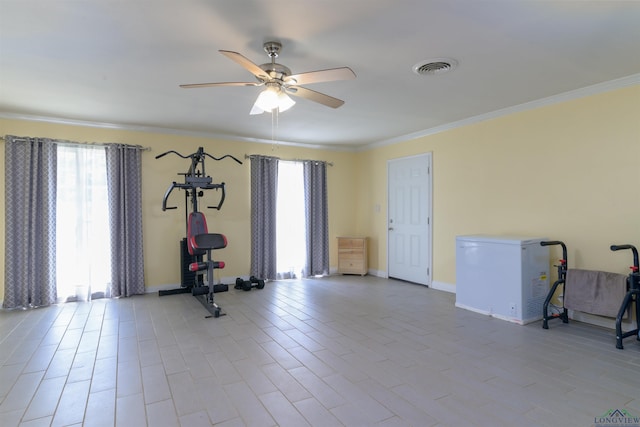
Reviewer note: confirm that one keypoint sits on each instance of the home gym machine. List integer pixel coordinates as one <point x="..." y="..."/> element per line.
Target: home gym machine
<point x="632" y="295"/>
<point x="198" y="241"/>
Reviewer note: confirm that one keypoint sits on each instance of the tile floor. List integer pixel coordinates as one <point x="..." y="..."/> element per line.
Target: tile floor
<point x="337" y="351"/>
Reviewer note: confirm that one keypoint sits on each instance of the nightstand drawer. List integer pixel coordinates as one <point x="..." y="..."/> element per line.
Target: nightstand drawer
<point x="351" y="266"/>
<point x="350" y="243"/>
<point x="350" y="254"/>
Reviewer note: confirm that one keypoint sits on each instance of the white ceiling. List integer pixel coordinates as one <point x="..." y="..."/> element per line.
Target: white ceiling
<point x="119" y="63"/>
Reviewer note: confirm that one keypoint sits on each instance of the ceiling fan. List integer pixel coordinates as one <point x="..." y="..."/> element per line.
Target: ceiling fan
<point x="279" y="82"/>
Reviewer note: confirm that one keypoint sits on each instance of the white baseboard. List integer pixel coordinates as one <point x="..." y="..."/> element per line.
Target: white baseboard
<point x="603" y="322"/>
<point x="475" y="310"/>
<point x="377" y="273"/>
<point x="499" y="316"/>
<point x="442" y="286"/>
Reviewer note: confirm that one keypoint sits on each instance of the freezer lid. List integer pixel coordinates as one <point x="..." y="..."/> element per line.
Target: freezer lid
<point x="499" y="239"/>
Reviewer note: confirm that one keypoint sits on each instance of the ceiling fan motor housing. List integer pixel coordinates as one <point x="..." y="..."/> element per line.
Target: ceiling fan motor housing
<point x="275" y="70"/>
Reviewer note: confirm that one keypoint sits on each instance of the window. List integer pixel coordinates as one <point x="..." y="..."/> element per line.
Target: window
<point x="291" y="224"/>
<point x="83" y="250"/>
<point x="289" y="219"/>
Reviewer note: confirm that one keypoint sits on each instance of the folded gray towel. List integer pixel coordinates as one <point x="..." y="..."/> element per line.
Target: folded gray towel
<point x="595" y="292"/>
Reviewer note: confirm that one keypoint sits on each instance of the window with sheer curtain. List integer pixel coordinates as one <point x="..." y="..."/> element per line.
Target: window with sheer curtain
<point x="73" y="216"/>
<point x="83" y="243"/>
<point x="289" y="218"/>
<point x="291" y="251"/>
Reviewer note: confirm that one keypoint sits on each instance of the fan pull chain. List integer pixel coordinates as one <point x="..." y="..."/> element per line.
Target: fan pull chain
<point x="274" y="127"/>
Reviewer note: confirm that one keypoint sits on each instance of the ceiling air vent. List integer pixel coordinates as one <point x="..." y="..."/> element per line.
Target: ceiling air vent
<point x="435" y="66"/>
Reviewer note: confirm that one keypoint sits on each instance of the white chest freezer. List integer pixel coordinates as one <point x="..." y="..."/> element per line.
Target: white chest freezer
<point x="502" y="276"/>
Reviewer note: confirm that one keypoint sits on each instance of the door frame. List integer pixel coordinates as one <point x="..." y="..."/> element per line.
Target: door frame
<point x="429" y="159"/>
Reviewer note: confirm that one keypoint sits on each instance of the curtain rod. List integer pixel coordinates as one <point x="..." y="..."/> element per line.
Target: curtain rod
<point x="248" y="156"/>
<point x="100" y="144"/>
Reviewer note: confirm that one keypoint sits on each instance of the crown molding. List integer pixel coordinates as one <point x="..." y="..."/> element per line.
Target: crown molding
<point x="162" y="130"/>
<point x="554" y="99"/>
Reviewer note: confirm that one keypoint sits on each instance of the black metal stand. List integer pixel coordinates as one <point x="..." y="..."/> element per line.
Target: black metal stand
<point x="632" y="296"/>
<point x="562" y="276"/>
<point x="633" y="292"/>
<point x="209" y="305"/>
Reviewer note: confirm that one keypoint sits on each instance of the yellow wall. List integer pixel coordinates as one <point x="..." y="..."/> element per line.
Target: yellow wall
<point x="569" y="171"/>
<point x="163" y="230"/>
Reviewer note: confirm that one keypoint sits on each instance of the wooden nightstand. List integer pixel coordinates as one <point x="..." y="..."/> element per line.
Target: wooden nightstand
<point x="352" y="255"/>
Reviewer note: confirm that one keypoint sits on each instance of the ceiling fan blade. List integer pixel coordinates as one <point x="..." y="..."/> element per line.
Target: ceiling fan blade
<point x="343" y="73"/>
<point x="247" y="64"/>
<point x="312" y="95"/>
<point x="196" y="85"/>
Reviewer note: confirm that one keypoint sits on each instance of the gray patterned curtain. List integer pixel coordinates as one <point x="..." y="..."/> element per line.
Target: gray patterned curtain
<point x="315" y="197"/>
<point x="30" y="219"/>
<point x="264" y="189"/>
<point x="124" y="178"/>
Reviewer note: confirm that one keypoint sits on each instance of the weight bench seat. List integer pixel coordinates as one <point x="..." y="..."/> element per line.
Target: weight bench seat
<point x="199" y="240"/>
<point x="208" y="241"/>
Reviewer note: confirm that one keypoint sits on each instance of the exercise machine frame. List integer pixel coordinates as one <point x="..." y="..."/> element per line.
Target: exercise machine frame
<point x="196" y="181"/>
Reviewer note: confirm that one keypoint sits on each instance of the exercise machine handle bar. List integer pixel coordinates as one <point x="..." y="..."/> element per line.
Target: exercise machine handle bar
<point x="218" y="186"/>
<point x="557" y="242"/>
<point x="166" y="197"/>
<point x="562" y="267"/>
<point x="197" y="168"/>
<point x="173" y="152"/>
<point x="193" y="187"/>
<point x="635" y="267"/>
<point x="197" y="154"/>
<point x="196" y="178"/>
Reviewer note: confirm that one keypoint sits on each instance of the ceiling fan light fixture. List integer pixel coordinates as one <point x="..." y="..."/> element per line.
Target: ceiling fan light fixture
<point x="285" y="102"/>
<point x="255" y="110"/>
<point x="271" y="98"/>
<point x="268" y="98"/>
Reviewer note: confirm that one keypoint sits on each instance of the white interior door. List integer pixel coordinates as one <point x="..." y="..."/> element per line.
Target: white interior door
<point x="409" y="219"/>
